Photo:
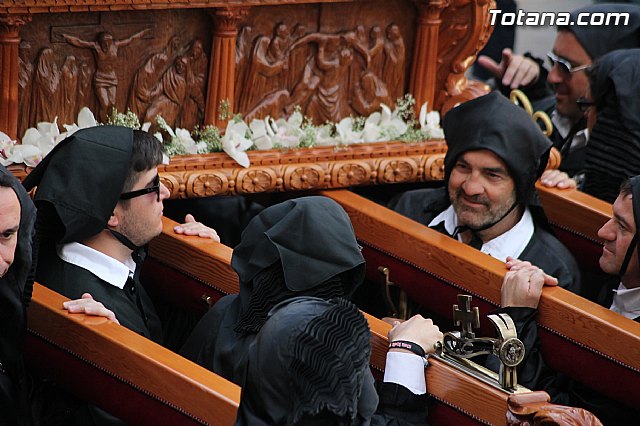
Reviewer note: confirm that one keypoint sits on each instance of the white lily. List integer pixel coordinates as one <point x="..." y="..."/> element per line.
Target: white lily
<point x="372" y="131"/>
<point x="183" y="137"/>
<point x="430" y="123"/>
<point x="392" y="126"/>
<point x="28" y="154"/>
<point x="288" y="132"/>
<point x="262" y="133"/>
<point x="6" y="148"/>
<point x="85" y="120"/>
<point x="346" y="134"/>
<point x="323" y="136"/>
<point x="235" y="142"/>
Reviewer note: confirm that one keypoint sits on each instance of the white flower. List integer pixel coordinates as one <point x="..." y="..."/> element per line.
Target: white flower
<point x="235" y="142"/>
<point x="430" y="123"/>
<point x="146" y="126"/>
<point x="372" y="131"/>
<point x="392" y="126"/>
<point x="262" y="133"/>
<point x="288" y="132"/>
<point x="346" y="134"/>
<point x="183" y="137"/>
<point x="6" y="148"/>
<point x="323" y="136"/>
<point x="85" y="120"/>
<point x="28" y="154"/>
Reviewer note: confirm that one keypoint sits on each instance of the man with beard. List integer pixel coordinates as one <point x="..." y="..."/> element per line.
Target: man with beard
<point x="495" y="154"/>
<point x="522" y="288"/>
<point x="574" y="49"/>
<point x="99" y="202"/>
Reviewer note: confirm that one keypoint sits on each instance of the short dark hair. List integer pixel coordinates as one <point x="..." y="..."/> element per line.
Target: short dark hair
<point x="146" y="154"/>
<point x="625" y="187"/>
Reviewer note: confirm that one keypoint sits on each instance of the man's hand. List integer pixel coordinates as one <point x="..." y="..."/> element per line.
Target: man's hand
<point x="191" y="227"/>
<point x="514" y="70"/>
<point x="557" y="179"/>
<point x="522" y="285"/>
<point x="86" y="305"/>
<point x="417" y="330"/>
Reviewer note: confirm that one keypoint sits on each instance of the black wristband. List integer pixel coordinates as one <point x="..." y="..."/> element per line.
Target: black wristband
<point x="410" y="346"/>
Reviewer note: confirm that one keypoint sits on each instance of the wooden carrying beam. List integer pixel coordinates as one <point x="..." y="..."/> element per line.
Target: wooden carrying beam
<point x="125" y="373"/>
<point x="576" y="335"/>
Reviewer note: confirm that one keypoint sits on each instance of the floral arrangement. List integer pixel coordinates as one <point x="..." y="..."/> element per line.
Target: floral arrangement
<point x="297" y="131"/>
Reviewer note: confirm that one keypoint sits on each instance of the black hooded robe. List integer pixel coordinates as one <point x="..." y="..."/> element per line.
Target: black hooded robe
<point x="15" y="294"/>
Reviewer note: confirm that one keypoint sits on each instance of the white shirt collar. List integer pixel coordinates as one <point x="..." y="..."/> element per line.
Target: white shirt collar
<point x="563" y="124"/>
<point x="99" y="264"/>
<point x="626" y="301"/>
<point x="511" y="243"/>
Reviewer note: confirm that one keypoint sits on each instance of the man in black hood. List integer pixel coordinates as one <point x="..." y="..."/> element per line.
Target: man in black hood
<point x="620" y="258"/>
<point x="99" y="202"/>
<point x="495" y="154"/>
<point x="17" y="219"/>
<point x="575" y="48"/>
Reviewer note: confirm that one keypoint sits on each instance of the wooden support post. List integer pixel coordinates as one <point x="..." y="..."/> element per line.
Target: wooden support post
<point x="9" y="40"/>
<point x="222" y="68"/>
<point x="425" y="53"/>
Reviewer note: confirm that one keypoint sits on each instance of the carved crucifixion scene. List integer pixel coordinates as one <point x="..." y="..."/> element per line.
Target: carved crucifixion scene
<point x="150" y="63"/>
<point x="329" y="71"/>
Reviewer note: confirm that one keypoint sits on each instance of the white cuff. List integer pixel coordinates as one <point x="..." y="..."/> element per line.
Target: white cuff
<point x="407" y="370"/>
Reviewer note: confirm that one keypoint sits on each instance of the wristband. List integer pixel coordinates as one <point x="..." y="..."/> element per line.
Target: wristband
<point x="410" y="346"/>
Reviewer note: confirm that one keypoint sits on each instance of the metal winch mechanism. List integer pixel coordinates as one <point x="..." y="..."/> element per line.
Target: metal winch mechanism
<point x="458" y="347"/>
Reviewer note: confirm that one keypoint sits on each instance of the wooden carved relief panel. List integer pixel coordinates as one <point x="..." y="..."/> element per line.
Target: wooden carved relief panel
<point x="152" y="62"/>
<point x="331" y="60"/>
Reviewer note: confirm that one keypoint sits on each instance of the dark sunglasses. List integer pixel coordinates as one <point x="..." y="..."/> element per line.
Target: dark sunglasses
<point x="564" y="65"/>
<point x="584" y="104"/>
<point x="137" y="193"/>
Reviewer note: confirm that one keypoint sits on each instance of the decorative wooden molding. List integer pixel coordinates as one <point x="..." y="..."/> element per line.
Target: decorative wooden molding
<point x="304" y="169"/>
<point x="534" y="408"/>
<point x="9" y="40"/>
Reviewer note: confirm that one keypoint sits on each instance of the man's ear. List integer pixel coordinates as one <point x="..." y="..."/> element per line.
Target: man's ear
<point x="114" y="219"/>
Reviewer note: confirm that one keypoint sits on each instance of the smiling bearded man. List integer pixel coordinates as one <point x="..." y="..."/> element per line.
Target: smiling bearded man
<point x="495" y="154"/>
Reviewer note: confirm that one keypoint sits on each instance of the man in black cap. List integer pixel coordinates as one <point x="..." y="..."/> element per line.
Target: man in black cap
<point x="495" y="154"/>
<point x="574" y="49"/>
<point x="522" y="288"/>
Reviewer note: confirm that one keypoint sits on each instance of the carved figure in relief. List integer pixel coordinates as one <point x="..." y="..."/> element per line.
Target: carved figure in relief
<point x="174" y="92"/>
<point x="376" y="50"/>
<point x="329" y="102"/>
<point x="193" y="111"/>
<point x="145" y="87"/>
<point x="105" y="50"/>
<point x="84" y="86"/>
<point x="298" y="58"/>
<point x="394" y="61"/>
<point x="369" y="93"/>
<point x="242" y="60"/>
<point x="25" y="74"/>
<point x="68" y="90"/>
<point x="268" y="60"/>
<point x="44" y="91"/>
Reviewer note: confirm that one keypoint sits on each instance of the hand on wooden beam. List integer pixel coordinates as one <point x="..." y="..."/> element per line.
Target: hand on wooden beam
<point x="191" y="227"/>
<point x="557" y="179"/>
<point x="87" y="305"/>
<point x="419" y="330"/>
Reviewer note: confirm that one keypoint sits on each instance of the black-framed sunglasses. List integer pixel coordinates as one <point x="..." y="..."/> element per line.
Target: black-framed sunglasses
<point x="584" y="104"/>
<point x="139" y="192"/>
<point x="564" y="65"/>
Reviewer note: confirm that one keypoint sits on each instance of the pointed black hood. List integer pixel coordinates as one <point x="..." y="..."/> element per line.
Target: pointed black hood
<point x="81" y="180"/>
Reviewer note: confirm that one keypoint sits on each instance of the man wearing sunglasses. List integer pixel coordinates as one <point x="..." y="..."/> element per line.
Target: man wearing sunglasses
<point x="574" y="49"/>
<point x="99" y="202"/>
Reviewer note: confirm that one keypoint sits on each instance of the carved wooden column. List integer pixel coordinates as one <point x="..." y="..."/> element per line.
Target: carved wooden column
<point x="222" y="68"/>
<point x="425" y="55"/>
<point x="9" y="40"/>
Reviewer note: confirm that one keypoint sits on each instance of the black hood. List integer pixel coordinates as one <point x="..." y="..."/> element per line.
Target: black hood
<point x="613" y="151"/>
<point x="493" y="123"/>
<point x="598" y="40"/>
<point x="81" y="180"/>
<point x="311" y="236"/>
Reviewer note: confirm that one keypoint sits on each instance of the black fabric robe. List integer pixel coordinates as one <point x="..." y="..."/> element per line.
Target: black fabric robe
<point x="15" y="294"/>
<point x="543" y="250"/>
<point x="301" y="372"/>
